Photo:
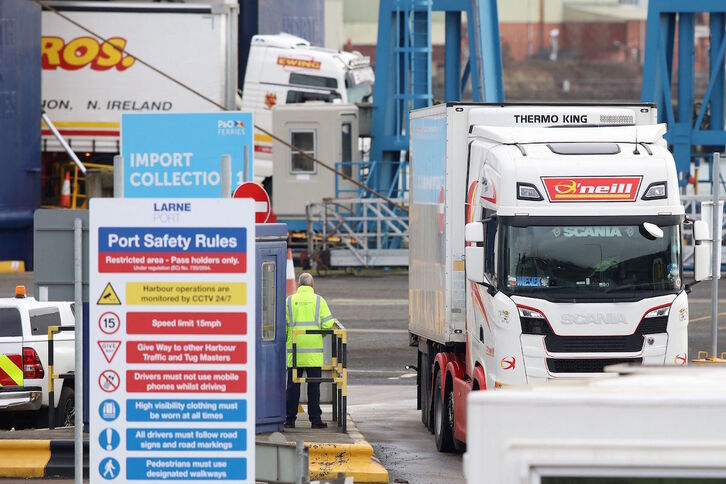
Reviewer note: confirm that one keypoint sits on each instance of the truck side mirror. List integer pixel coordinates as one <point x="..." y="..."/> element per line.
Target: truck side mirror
<point x="474" y="252"/>
<point x="474" y="234"/>
<point x="702" y="251"/>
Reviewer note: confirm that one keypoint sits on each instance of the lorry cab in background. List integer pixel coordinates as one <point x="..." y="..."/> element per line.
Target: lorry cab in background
<point x="285" y="69"/>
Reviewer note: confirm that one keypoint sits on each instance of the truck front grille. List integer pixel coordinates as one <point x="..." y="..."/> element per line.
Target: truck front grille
<point x="585" y="365"/>
<point x="594" y="344"/>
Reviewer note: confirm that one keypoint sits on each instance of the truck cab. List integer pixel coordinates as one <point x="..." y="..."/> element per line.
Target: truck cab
<point x="580" y="226"/>
<point x="285" y="69"/>
<point x="546" y="244"/>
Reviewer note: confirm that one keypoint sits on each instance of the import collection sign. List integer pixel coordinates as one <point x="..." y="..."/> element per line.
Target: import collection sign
<point x="172" y="362"/>
<point x="180" y="154"/>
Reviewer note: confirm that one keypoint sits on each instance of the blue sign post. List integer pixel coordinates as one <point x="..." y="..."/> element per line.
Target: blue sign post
<point x="179" y="154"/>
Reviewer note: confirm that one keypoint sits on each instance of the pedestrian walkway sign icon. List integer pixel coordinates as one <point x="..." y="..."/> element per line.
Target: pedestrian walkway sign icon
<point x="109" y="410"/>
<point x="109" y="439"/>
<point x="109" y="296"/>
<point x="109" y="468"/>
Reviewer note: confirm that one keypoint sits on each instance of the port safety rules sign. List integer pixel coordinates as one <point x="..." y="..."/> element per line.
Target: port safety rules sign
<point x="172" y="340"/>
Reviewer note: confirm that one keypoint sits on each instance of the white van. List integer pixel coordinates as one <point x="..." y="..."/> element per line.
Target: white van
<point x="284" y="69"/>
<point x="24" y="368"/>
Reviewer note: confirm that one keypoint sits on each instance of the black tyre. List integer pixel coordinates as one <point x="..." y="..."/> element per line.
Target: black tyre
<point x="459" y="446"/>
<point x="66" y="411"/>
<point x="442" y="430"/>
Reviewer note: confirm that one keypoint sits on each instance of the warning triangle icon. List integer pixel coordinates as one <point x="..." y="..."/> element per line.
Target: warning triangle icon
<point x="109" y="297"/>
<point x="109" y="349"/>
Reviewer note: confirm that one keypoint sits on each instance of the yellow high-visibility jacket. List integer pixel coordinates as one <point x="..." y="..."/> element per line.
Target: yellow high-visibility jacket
<point x="307" y="310"/>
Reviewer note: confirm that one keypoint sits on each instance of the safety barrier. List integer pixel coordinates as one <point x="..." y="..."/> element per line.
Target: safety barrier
<point x="704" y="359"/>
<point x="51" y="375"/>
<point x="338" y="368"/>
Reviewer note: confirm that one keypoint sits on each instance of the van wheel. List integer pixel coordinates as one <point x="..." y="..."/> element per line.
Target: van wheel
<point x="442" y="430"/>
<point x="66" y="411"/>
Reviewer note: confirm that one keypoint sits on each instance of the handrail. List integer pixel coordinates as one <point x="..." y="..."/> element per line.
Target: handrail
<point x="338" y="367"/>
<point x="52" y="376"/>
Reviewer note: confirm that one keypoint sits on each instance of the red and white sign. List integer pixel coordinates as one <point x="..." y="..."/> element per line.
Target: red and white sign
<point x="187" y="352"/>
<point x="186" y="381"/>
<point x="592" y="189"/>
<point x="109" y="381"/>
<point x="109" y="348"/>
<point x="109" y="322"/>
<point x="259" y="195"/>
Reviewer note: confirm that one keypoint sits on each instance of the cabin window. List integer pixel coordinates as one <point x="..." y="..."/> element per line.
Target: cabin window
<point x="305" y="141"/>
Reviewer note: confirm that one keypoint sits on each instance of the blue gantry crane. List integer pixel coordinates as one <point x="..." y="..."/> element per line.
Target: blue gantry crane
<point x="373" y="231"/>
<point x="403" y="71"/>
<point x="692" y="133"/>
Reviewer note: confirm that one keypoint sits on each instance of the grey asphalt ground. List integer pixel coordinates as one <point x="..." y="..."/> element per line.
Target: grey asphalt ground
<point x="382" y="397"/>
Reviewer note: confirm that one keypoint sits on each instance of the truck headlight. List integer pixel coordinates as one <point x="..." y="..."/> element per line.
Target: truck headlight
<point x="527" y="191"/>
<point x="656" y="191"/>
<point x="658" y="312"/>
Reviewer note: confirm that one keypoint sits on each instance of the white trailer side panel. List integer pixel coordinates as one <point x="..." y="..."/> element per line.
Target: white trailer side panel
<point x="436" y="268"/>
<point x="87" y="84"/>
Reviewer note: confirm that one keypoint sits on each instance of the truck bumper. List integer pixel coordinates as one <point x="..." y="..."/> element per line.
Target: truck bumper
<point x="20" y="398"/>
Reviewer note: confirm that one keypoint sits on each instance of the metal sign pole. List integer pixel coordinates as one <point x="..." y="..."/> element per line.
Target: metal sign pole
<point x="716" y="248"/>
<point x="118" y="176"/>
<point x="226" y="178"/>
<point x="78" y="381"/>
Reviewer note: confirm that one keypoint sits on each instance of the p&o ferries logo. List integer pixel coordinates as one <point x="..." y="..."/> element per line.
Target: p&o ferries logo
<point x="592" y="189"/>
<point x="230" y="127"/>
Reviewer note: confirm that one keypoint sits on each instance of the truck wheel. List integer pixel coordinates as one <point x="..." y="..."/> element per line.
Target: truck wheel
<point x="65" y="412"/>
<point x="442" y="429"/>
<point x="459" y="446"/>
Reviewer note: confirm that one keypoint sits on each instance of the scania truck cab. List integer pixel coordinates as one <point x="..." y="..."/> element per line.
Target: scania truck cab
<point x="546" y="243"/>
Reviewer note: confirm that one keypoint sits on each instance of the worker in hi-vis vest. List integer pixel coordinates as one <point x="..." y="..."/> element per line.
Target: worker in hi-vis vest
<point x="306" y="310"/>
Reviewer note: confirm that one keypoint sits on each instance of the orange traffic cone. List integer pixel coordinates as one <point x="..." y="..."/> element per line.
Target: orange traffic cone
<point x="65" y="198"/>
<point x="290" y="270"/>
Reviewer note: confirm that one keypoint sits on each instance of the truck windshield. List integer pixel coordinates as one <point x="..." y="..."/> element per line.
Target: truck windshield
<point x="590" y="261"/>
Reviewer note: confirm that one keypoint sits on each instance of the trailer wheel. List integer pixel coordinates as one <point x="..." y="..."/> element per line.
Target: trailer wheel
<point x="65" y="413"/>
<point x="442" y="430"/>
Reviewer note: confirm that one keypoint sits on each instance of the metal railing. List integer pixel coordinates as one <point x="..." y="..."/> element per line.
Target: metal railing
<point x="366" y="173"/>
<point x="51" y="375"/>
<point x="337" y="368"/>
<point x="357" y="232"/>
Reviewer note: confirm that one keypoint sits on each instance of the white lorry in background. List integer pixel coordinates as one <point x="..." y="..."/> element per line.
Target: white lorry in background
<point x="284" y="69"/>
<point x="545" y="244"/>
<point x="24" y="323"/>
<point x="604" y="430"/>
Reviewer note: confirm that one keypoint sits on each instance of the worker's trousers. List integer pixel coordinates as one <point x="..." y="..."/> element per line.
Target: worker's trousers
<point x="293" y="395"/>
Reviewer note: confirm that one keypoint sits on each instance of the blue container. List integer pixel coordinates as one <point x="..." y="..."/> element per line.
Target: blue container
<point x="271" y="260"/>
<point x="19" y="127"/>
<point x="304" y="19"/>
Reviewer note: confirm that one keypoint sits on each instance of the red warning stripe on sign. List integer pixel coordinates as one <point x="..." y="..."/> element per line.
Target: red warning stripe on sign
<point x="186" y="323"/>
<point x="187" y="262"/>
<point x="186" y="381"/>
<point x="224" y="352"/>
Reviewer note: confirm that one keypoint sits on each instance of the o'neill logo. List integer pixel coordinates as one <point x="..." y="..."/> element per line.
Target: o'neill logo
<point x="592" y="189"/>
<point x="508" y="363"/>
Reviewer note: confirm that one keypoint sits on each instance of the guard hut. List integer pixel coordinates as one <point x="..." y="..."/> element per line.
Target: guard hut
<point x="328" y="132"/>
<point x="271" y="260"/>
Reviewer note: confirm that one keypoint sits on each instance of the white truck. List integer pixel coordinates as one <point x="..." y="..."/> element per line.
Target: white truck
<point x="88" y="83"/>
<point x="24" y="368"/>
<point x="284" y="69"/>
<point x="545" y="244"/>
<point x="602" y="430"/>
